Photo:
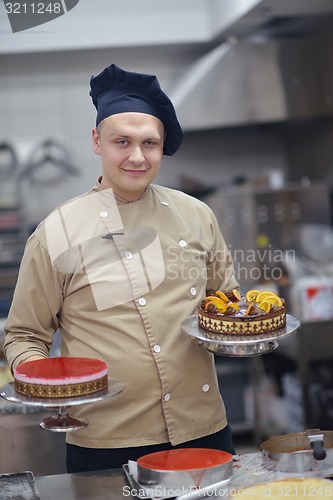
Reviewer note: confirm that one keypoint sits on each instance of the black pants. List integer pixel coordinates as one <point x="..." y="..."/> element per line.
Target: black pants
<point x="81" y="459"/>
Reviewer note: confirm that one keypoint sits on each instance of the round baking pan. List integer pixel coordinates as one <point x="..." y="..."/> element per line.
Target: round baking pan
<point x="311" y="450"/>
<point x="185" y="468"/>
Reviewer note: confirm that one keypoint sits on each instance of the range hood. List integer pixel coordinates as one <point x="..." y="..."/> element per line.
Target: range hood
<point x="271" y="63"/>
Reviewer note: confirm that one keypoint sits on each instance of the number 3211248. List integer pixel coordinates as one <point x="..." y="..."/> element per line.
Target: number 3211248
<point x="33" y="8"/>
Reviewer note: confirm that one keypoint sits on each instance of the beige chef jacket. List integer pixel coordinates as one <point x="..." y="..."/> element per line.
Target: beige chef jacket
<point x="117" y="280"/>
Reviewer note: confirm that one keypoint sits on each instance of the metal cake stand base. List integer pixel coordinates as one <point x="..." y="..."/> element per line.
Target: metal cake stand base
<point x="238" y="345"/>
<point x="63" y="422"/>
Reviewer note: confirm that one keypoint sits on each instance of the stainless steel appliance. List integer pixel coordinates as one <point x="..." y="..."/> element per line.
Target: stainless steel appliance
<point x="262" y="227"/>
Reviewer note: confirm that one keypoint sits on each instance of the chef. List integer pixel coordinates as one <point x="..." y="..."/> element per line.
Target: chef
<point x="116" y="270"/>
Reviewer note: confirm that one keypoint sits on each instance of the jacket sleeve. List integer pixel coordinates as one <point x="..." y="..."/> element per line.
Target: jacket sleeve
<point x="33" y="316"/>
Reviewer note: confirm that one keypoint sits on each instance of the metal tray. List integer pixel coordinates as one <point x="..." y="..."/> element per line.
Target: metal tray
<point x="238" y="345"/>
<point x="18" y="485"/>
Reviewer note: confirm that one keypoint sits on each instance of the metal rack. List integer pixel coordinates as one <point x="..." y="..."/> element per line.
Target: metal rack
<point x="11" y="250"/>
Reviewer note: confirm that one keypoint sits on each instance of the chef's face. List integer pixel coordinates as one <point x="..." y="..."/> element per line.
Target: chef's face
<point x="131" y="147"/>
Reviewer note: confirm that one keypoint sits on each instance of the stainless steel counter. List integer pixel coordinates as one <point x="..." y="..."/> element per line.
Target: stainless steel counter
<point x="113" y="485"/>
<point x="101" y="485"/>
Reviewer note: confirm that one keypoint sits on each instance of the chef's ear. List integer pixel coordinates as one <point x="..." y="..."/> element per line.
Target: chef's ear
<point x="96" y="141"/>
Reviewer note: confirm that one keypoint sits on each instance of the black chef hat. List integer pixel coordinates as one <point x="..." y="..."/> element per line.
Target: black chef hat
<point x="115" y="91"/>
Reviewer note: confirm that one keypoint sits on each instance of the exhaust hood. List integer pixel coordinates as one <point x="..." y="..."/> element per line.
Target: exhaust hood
<point x="272" y="63"/>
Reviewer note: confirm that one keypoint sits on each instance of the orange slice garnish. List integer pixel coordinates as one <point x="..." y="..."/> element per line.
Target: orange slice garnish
<point x="235" y="294"/>
<point x="275" y="301"/>
<point x="221" y="308"/>
<point x="252" y="295"/>
<point x="249" y="310"/>
<point x="214" y="299"/>
<point x="220" y="304"/>
<point x="265" y="305"/>
<point x="264" y="295"/>
<point x="222" y="296"/>
<point x="232" y="307"/>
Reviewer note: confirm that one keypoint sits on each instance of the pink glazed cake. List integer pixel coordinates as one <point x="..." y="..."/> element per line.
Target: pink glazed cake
<point x="61" y="377"/>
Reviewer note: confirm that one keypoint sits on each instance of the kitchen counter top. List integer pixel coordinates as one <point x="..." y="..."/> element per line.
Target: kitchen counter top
<point x="113" y="485"/>
<point x="100" y="485"/>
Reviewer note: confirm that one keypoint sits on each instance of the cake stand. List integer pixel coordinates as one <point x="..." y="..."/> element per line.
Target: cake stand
<point x="238" y="345"/>
<point x="62" y="422"/>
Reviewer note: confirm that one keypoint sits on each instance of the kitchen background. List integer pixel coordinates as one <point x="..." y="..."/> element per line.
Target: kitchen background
<point x="252" y="82"/>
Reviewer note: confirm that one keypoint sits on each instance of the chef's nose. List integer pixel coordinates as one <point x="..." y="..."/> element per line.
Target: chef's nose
<point x="137" y="155"/>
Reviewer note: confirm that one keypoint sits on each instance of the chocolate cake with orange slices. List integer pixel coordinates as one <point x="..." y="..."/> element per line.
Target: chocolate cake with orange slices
<point x="232" y="313"/>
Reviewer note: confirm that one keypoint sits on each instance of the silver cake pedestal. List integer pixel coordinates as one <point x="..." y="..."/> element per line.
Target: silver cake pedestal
<point x="62" y="421"/>
<point x="238" y="345"/>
